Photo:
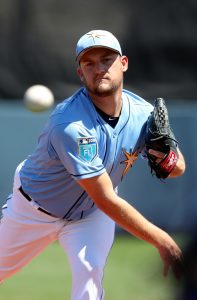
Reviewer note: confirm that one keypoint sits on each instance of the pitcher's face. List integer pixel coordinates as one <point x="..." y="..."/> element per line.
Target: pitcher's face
<point x="101" y="71"/>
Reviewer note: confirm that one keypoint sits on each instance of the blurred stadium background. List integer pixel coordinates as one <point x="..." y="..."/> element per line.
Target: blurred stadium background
<point x="38" y="41"/>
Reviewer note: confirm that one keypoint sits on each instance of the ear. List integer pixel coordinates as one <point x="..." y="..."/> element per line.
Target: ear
<point x="80" y="74"/>
<point x="124" y="61"/>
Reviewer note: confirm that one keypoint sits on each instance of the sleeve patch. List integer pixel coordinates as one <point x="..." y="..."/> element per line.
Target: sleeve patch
<point x="88" y="148"/>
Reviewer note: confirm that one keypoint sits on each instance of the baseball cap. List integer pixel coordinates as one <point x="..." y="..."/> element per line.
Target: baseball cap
<point x="97" y="38"/>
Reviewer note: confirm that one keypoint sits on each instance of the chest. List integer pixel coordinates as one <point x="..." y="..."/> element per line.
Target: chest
<point x="119" y="147"/>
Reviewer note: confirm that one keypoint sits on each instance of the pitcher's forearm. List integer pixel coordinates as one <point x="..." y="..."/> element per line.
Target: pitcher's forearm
<point x="132" y="221"/>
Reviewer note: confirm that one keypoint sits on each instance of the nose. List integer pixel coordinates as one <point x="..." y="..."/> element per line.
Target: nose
<point x="100" y="68"/>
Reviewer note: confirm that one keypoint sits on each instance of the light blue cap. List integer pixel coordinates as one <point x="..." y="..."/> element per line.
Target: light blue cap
<point x="97" y="38"/>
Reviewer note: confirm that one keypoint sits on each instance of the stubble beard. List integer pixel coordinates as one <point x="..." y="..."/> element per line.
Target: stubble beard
<point x="103" y="90"/>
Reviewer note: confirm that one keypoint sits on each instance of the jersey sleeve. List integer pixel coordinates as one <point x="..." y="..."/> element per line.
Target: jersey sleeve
<point x="77" y="149"/>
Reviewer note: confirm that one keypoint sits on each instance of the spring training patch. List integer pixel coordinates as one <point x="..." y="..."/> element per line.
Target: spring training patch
<point x="88" y="148"/>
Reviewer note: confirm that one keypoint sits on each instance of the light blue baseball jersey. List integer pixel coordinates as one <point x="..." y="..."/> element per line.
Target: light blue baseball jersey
<point x="77" y="143"/>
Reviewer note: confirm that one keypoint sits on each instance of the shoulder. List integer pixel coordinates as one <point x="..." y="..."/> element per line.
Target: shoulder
<point x="136" y="99"/>
<point x="138" y="105"/>
<point x="74" y="115"/>
<point x="75" y="109"/>
<point x="71" y="103"/>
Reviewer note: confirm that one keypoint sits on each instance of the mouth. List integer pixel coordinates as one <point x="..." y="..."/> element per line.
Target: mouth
<point x="100" y="79"/>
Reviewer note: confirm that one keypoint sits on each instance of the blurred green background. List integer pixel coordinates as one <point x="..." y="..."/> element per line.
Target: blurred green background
<point x="133" y="271"/>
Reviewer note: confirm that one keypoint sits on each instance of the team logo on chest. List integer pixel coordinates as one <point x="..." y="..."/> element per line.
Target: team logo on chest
<point x="130" y="158"/>
<point x="88" y="148"/>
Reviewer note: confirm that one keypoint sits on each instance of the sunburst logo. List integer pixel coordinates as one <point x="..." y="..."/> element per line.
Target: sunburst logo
<point x="94" y="35"/>
<point x="130" y="158"/>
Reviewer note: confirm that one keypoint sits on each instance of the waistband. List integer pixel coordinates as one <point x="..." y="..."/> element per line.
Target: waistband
<point x="28" y="198"/>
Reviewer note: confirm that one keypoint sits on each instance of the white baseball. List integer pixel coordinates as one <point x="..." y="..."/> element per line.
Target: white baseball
<point x="38" y="98"/>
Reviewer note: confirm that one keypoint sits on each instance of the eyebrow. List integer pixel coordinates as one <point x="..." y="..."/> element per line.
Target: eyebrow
<point x="102" y="56"/>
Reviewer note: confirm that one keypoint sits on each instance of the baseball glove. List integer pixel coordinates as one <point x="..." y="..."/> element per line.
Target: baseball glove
<point x="159" y="137"/>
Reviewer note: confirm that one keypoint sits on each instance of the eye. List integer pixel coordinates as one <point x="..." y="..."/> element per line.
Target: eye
<point x="88" y="64"/>
<point x="107" y="59"/>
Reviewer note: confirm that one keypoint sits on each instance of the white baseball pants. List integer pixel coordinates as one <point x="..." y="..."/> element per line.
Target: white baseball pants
<point x="25" y="232"/>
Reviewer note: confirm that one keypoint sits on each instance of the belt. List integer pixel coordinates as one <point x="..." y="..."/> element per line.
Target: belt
<point x="29" y="199"/>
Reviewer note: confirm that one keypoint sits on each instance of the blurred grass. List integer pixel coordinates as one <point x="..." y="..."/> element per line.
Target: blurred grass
<point x="133" y="271"/>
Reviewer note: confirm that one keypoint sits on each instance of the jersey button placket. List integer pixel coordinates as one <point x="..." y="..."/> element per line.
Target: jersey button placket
<point x="113" y="150"/>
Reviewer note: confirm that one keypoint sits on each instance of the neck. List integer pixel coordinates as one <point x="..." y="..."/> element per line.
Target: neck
<point x="111" y="105"/>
